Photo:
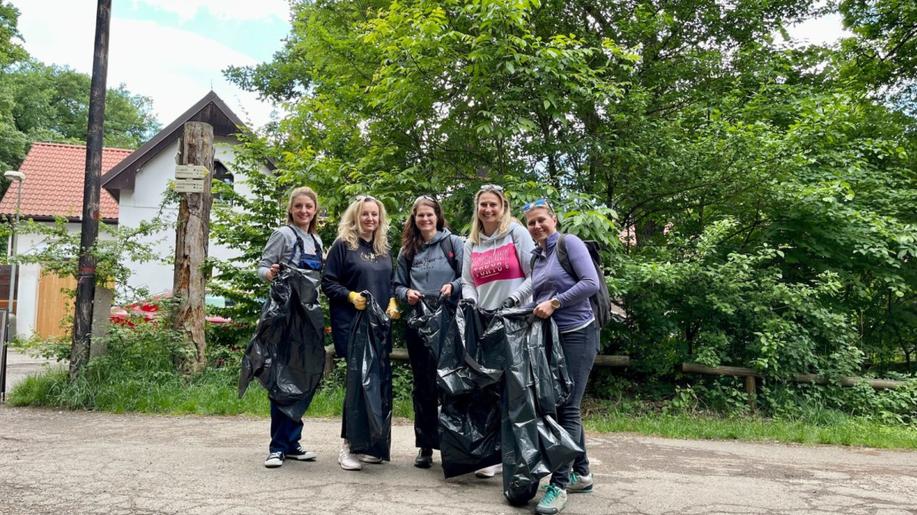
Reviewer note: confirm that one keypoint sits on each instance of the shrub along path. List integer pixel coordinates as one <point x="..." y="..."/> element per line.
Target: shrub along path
<point x="85" y="462"/>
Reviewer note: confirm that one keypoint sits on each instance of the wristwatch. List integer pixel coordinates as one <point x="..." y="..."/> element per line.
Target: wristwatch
<point x="555" y="303"/>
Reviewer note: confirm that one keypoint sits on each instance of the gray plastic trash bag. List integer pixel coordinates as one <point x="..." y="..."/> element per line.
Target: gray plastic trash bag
<point x="287" y="352"/>
<point x="535" y="383"/>
<point x="368" y="402"/>
<point x="468" y="375"/>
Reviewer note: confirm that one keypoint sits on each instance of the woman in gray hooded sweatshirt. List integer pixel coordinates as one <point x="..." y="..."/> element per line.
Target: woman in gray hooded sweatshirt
<point x="429" y="265"/>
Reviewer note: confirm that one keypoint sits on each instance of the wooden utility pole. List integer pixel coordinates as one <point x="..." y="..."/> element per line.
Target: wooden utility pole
<point x="192" y="237"/>
<point x="92" y="185"/>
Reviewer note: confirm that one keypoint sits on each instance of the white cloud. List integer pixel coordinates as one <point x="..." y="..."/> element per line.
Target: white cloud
<point x="223" y="9"/>
<point x="173" y="67"/>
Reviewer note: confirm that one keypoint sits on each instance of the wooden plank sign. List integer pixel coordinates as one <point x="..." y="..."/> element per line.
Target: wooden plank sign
<point x="191" y="172"/>
<point x="189" y="185"/>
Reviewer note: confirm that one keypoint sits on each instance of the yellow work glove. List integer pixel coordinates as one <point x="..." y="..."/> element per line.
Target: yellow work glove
<point x="392" y="309"/>
<point x="358" y="301"/>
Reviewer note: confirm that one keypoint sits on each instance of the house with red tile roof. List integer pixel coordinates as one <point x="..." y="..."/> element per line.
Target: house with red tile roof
<point x="133" y="185"/>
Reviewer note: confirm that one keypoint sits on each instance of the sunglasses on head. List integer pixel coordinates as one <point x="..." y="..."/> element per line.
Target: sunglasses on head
<point x="428" y="198"/>
<point x="491" y="187"/>
<point x="541" y="202"/>
<point x="363" y="198"/>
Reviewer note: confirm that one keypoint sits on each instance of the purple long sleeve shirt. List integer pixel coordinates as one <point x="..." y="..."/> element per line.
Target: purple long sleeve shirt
<point x="550" y="280"/>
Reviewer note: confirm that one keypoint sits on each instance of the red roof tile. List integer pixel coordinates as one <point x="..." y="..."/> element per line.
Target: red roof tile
<point x="53" y="183"/>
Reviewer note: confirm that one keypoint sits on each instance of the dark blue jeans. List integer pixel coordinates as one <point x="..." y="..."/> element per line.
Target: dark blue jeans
<point x="285" y="432"/>
<point x="580" y="348"/>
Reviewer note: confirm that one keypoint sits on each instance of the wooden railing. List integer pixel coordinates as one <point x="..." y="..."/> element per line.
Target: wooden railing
<point x="750" y="376"/>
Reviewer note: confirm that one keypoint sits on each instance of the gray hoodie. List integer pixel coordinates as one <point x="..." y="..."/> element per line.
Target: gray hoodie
<point x="430" y="269"/>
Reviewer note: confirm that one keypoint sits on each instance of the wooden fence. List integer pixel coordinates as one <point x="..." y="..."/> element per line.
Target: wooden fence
<point x="750" y="376"/>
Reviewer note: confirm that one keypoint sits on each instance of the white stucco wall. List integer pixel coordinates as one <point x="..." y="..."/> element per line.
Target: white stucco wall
<point x="143" y="203"/>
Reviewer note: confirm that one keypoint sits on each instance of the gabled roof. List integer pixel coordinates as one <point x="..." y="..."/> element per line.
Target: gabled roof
<point x="53" y="186"/>
<point x="210" y="109"/>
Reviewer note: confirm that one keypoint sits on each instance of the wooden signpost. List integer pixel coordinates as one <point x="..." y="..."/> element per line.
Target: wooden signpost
<point x="192" y="233"/>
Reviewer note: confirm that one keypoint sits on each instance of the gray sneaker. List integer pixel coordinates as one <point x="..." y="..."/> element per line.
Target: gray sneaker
<point x="368" y="458"/>
<point x="579" y="484"/>
<point x="552" y="502"/>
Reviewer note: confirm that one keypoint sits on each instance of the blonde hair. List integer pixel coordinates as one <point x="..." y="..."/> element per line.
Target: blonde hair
<point x="477" y="226"/>
<point x="307" y="191"/>
<point x="349" y="228"/>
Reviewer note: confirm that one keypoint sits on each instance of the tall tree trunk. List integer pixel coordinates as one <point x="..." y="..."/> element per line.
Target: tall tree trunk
<point x="192" y="235"/>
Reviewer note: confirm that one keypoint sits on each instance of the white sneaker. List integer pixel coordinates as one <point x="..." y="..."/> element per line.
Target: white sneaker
<point x="368" y="458"/>
<point x="489" y="472"/>
<point x="347" y="460"/>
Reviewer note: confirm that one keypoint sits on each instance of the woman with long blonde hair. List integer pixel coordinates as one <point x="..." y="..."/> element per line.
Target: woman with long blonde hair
<point x="496" y="264"/>
<point x="496" y="260"/>
<point x="358" y="260"/>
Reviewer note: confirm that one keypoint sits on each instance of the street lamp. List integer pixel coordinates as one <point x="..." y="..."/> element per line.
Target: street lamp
<point x="18" y="177"/>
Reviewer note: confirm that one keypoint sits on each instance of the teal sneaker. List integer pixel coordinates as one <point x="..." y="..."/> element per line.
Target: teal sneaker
<point x="579" y="484"/>
<point x="552" y="502"/>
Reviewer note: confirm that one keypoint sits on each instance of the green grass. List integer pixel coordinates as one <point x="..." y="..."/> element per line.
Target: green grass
<point x="839" y="430"/>
<point x="214" y="393"/>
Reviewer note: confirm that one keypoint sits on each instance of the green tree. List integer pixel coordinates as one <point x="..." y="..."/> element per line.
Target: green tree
<point x="772" y="198"/>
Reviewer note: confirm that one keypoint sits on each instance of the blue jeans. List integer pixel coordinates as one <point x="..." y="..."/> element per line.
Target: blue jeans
<point x="580" y="348"/>
<point x="285" y="432"/>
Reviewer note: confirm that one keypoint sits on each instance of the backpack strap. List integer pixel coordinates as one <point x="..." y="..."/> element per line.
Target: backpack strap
<point x="563" y="258"/>
<point x="450" y="254"/>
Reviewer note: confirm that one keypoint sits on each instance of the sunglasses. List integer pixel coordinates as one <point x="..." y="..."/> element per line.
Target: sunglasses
<point x="428" y="198"/>
<point x="542" y="202"/>
<point x="491" y="187"/>
<point x="363" y="198"/>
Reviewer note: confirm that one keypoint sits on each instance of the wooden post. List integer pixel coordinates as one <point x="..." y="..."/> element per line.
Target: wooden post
<point x="752" y="392"/>
<point x="92" y="190"/>
<point x="192" y="237"/>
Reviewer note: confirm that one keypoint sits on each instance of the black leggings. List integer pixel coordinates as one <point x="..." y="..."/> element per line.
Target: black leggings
<point x="425" y="396"/>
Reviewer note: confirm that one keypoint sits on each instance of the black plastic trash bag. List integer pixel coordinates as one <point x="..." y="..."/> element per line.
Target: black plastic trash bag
<point x="431" y="318"/>
<point x="287" y="352"/>
<point x="368" y="402"/>
<point x="468" y="377"/>
<point x="535" y="382"/>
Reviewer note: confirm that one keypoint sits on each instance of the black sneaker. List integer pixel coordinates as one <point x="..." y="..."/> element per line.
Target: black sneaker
<point x="300" y="454"/>
<point x="424" y="459"/>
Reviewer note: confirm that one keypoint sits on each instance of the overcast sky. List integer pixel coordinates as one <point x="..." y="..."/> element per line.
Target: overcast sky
<point x="173" y="51"/>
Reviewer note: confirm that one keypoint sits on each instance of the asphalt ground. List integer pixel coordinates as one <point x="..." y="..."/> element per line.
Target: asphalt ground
<point x="86" y="462"/>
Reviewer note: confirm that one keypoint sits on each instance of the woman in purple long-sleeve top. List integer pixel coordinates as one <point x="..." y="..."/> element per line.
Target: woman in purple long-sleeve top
<point x="565" y="297"/>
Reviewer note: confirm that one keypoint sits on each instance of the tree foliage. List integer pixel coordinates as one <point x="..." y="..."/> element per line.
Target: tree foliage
<point x="768" y="192"/>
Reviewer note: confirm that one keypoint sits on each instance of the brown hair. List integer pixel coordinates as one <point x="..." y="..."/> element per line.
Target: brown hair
<point x="411" y="239"/>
